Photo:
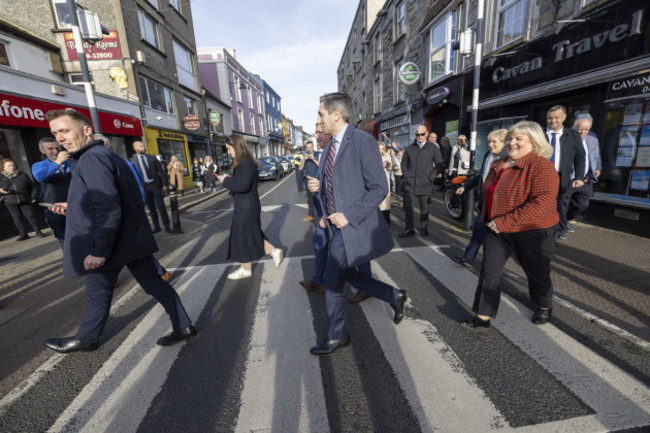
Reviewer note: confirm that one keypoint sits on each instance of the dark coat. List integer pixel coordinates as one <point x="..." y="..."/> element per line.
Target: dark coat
<point x="445" y="151"/>
<point x="21" y="189"/>
<point x="420" y="167"/>
<point x="105" y="216"/>
<point x="246" y="238"/>
<point x="359" y="185"/>
<point x="572" y="157"/>
<point x="156" y="171"/>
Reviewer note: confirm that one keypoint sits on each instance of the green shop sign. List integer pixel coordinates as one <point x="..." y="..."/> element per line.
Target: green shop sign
<point x="409" y="73"/>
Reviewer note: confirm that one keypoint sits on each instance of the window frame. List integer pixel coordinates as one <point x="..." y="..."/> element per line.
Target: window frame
<point x="180" y="69"/>
<point x="450" y="21"/>
<point x="177" y="5"/>
<point x="377" y="52"/>
<point x="57" y="16"/>
<point x="400" y="20"/>
<point x="240" y="120"/>
<point x="141" y="16"/>
<point x="377" y="97"/>
<point x="187" y="104"/>
<point x="154" y="4"/>
<point x="237" y="84"/>
<point x="501" y="7"/>
<point x="399" y="92"/>
<point x="7" y="55"/>
<point x="167" y="95"/>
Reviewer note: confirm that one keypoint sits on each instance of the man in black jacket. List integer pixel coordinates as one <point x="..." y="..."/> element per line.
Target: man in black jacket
<point x="155" y="183"/>
<point x="420" y="165"/>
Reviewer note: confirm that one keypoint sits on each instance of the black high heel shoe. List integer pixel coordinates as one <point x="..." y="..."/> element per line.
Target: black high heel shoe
<point x="542" y="315"/>
<point x="476" y="322"/>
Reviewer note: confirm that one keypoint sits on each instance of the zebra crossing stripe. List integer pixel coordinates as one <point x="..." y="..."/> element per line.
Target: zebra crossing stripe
<point x="121" y="392"/>
<point x="283" y="389"/>
<point x="619" y="400"/>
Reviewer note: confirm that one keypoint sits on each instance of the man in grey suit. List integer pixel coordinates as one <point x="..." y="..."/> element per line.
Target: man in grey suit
<point x="576" y="200"/>
<point x="353" y="184"/>
<point x="568" y="158"/>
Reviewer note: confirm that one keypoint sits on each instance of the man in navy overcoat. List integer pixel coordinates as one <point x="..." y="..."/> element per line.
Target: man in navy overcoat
<point x="106" y="229"/>
<point x="353" y="184"/>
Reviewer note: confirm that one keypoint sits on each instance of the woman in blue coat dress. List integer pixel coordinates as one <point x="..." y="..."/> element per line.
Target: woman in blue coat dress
<point x="247" y="242"/>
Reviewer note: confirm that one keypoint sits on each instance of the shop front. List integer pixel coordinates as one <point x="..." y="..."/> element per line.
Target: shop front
<point x="598" y="66"/>
<point x="198" y="145"/>
<point x="164" y="143"/>
<point x="397" y="129"/>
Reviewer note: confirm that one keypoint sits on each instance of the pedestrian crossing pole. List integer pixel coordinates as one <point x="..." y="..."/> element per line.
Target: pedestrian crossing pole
<point x="478" y="54"/>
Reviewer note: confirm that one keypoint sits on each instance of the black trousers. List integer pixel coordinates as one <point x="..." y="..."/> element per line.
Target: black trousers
<point x="18" y="211"/>
<point x="99" y="293"/>
<point x="399" y="184"/>
<point x="533" y="249"/>
<point x="408" y="209"/>
<point x="576" y="200"/>
<point x="57" y="224"/>
<point x="156" y="203"/>
<point x="310" y="202"/>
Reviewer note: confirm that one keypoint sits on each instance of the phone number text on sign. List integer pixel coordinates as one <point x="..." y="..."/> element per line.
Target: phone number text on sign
<point x="107" y="48"/>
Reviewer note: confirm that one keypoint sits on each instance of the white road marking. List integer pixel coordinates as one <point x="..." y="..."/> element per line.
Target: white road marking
<point x="620" y="401"/>
<point x="275" y="187"/>
<point x="283" y="389"/>
<point x="121" y="392"/>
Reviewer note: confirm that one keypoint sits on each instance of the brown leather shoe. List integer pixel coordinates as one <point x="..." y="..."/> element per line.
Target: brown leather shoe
<point x="358" y="297"/>
<point x="311" y="287"/>
<point x="308" y="218"/>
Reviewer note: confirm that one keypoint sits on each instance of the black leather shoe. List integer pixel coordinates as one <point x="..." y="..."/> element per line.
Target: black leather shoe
<point x="330" y="346"/>
<point x="155" y="230"/>
<point x="424" y="231"/>
<point x="22" y="238"/>
<point x="40" y="235"/>
<point x="69" y="345"/>
<point x="542" y="315"/>
<point x="176" y="337"/>
<point x="398" y="306"/>
<point x="476" y="322"/>
<point x="168" y="229"/>
<point x="462" y="261"/>
<point x="406" y="233"/>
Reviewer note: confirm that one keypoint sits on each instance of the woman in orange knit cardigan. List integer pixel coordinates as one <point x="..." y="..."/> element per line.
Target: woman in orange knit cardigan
<point x="176" y="172"/>
<point x="521" y="219"/>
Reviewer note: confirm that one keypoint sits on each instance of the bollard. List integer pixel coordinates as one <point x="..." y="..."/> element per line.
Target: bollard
<point x="173" y="204"/>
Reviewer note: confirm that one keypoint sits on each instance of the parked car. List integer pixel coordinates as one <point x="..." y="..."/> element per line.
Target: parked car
<point x="269" y="167"/>
<point x="287" y="164"/>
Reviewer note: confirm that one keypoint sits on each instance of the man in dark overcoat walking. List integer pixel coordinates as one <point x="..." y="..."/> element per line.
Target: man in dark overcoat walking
<point x="106" y="229"/>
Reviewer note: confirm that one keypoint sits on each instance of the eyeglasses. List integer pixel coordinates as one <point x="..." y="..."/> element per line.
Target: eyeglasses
<point x="421" y="135"/>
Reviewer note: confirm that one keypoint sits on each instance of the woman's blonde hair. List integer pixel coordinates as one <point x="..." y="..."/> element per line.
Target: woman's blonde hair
<point x="498" y="134"/>
<point x="536" y="136"/>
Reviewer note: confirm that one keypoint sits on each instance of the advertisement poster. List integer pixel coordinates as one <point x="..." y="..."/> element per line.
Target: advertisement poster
<point x="640" y="180"/>
<point x="645" y="135"/>
<point x="643" y="157"/>
<point x="624" y="156"/>
<point x="628" y="136"/>
<point x="633" y="114"/>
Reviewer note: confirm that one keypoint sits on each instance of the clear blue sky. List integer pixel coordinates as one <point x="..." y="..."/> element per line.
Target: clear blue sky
<point x="294" y="45"/>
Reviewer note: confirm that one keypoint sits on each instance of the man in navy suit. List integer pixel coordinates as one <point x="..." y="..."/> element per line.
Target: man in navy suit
<point x="568" y="157"/>
<point x="155" y="184"/>
<point x="576" y="200"/>
<point x="106" y="229"/>
<point x="353" y="184"/>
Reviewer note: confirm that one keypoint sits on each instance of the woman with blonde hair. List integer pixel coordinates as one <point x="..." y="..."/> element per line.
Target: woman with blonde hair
<point x="247" y="241"/>
<point x="520" y="214"/>
<point x="176" y="173"/>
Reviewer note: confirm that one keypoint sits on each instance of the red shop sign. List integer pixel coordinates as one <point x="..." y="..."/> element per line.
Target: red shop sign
<point x="106" y="49"/>
<point x="18" y="111"/>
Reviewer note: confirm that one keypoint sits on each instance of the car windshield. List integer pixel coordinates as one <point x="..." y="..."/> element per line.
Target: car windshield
<point x="267" y="160"/>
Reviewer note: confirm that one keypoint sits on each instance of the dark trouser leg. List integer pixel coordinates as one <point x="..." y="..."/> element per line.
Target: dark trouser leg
<point x="496" y="251"/>
<point x="57" y="224"/>
<point x="151" y="204"/>
<point x="424" y="209"/>
<point x="310" y="203"/>
<point x="30" y="216"/>
<point x="534" y="251"/>
<point x="144" y="271"/>
<point x="336" y="273"/>
<point x="561" y="210"/>
<point x="398" y="185"/>
<point x="14" y="211"/>
<point x="99" y="292"/>
<point x="476" y="241"/>
<point x="386" y="214"/>
<point x="578" y="201"/>
<point x="320" y="252"/>
<point x="299" y="179"/>
<point x="159" y="200"/>
<point x="408" y="211"/>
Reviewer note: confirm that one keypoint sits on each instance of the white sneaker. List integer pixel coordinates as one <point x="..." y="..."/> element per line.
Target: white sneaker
<point x="277" y="256"/>
<point x="239" y="274"/>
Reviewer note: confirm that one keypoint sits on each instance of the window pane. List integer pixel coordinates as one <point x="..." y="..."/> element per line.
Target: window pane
<point x="511" y="23"/>
<point x="62" y="14"/>
<point x="145" y="92"/>
<point x="157" y="96"/>
<point x="148" y="29"/>
<point x="4" y="57"/>
<point x="170" y="102"/>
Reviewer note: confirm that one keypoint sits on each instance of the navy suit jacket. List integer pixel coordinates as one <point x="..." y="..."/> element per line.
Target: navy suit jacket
<point x="572" y="157"/>
<point x="105" y="215"/>
<point x="158" y="175"/>
<point x="359" y="186"/>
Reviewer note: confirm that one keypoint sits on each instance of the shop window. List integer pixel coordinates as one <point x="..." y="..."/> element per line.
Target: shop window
<point x="4" y="55"/>
<point x="62" y="14"/>
<point x="167" y="148"/>
<point x="156" y="96"/>
<point x="442" y="58"/>
<point x="400" y="19"/>
<point x="12" y="147"/>
<point x="148" y="29"/>
<point x="510" y="21"/>
<point x="184" y="66"/>
<point x="625" y="150"/>
<point x="397" y="83"/>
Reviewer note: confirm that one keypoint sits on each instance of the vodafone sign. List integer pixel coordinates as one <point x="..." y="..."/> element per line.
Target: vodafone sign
<point x="18" y="111"/>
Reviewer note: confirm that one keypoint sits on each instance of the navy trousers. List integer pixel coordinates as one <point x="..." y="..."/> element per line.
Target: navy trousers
<point x="99" y="292"/>
<point x="57" y="224"/>
<point x="337" y="273"/>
